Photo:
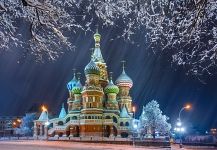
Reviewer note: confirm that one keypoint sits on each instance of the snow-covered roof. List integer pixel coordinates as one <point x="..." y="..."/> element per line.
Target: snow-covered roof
<point x="62" y="112"/>
<point x="124" y="113"/>
<point x="43" y="116"/>
<point x="97" y="55"/>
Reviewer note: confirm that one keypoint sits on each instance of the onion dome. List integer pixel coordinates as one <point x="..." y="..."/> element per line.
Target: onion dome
<point x="72" y="83"/>
<point x="78" y="88"/>
<point x="111" y="88"/>
<point x="91" y="68"/>
<point x="124" y="80"/>
<point x="62" y="112"/>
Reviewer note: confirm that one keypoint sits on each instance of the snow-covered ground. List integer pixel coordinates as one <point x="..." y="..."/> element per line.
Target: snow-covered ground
<point x="61" y="145"/>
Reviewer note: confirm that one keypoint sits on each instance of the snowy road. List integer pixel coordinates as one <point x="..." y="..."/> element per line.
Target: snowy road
<point x="59" y="145"/>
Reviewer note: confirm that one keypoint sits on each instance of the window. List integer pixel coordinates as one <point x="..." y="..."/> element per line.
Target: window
<point x="127" y="124"/>
<point x="60" y="123"/>
<point x="121" y="124"/>
<point x="89" y="117"/>
<point x="68" y="119"/>
<point x="107" y="117"/>
<point x="74" y="118"/>
<point x="115" y="119"/>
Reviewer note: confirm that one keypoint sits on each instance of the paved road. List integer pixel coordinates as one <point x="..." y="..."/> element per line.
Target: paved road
<point x="60" y="145"/>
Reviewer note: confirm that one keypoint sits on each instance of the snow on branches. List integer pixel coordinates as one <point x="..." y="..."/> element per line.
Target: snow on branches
<point x="187" y="29"/>
<point x="152" y="120"/>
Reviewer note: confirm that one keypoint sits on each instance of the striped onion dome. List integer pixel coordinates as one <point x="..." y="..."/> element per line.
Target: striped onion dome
<point x="111" y="88"/>
<point x="91" y="68"/>
<point x="124" y="80"/>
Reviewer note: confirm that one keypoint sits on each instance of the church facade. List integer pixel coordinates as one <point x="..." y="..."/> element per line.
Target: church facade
<point x="99" y="108"/>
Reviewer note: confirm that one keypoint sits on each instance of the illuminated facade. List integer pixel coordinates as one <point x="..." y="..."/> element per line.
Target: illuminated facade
<point x="99" y="108"/>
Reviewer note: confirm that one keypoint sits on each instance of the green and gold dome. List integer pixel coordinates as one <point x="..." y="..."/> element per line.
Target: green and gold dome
<point x="111" y="88"/>
<point x="92" y="68"/>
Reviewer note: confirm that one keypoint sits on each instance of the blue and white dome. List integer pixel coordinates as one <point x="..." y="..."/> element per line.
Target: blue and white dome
<point x="78" y="88"/>
<point x="72" y="83"/>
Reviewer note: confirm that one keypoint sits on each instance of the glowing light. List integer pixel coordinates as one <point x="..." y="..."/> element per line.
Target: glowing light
<point x="134" y="108"/>
<point x="14" y="123"/>
<point x="179" y="124"/>
<point x="188" y="106"/>
<point x="44" y="108"/>
<point x="182" y="129"/>
<point x="135" y="126"/>
<point x="18" y="120"/>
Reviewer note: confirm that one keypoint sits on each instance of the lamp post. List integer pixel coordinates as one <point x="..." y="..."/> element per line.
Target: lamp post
<point x="179" y="128"/>
<point x="134" y="111"/>
<point x="47" y="121"/>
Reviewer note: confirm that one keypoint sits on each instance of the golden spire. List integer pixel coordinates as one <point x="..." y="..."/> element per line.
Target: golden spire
<point x="97" y="37"/>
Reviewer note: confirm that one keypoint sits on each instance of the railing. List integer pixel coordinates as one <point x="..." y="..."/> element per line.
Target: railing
<point x="109" y="121"/>
<point x="124" y="128"/>
<point x="90" y="121"/>
<point x="72" y="122"/>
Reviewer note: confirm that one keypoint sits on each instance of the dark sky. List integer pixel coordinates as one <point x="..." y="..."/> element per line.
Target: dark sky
<point x="27" y="83"/>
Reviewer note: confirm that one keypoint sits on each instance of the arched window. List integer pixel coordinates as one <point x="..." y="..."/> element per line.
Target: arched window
<point x="115" y="119"/>
<point x="107" y="117"/>
<point x="124" y="134"/>
<point x="68" y="119"/>
<point x="89" y="117"/>
<point x="127" y="124"/>
<point x="121" y="124"/>
<point x="74" y="118"/>
<point x="60" y="123"/>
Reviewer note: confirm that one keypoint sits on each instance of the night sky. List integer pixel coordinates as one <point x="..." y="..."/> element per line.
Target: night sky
<point x="24" y="83"/>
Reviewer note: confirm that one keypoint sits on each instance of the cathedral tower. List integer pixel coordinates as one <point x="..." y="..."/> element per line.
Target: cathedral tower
<point x="111" y="90"/>
<point x="70" y="86"/>
<point x="124" y="82"/>
<point x="98" y="59"/>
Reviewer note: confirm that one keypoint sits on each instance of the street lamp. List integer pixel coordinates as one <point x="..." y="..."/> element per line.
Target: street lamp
<point x="179" y="128"/>
<point x="134" y="111"/>
<point x="187" y="107"/>
<point x="44" y="109"/>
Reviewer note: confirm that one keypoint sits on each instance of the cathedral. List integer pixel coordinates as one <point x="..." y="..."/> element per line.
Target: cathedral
<point x="99" y="108"/>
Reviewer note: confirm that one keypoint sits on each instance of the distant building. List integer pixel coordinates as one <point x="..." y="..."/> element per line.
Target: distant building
<point x="99" y="108"/>
<point x="7" y="125"/>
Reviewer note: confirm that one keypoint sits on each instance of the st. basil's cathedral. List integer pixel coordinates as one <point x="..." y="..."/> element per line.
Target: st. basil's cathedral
<point x="99" y="108"/>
